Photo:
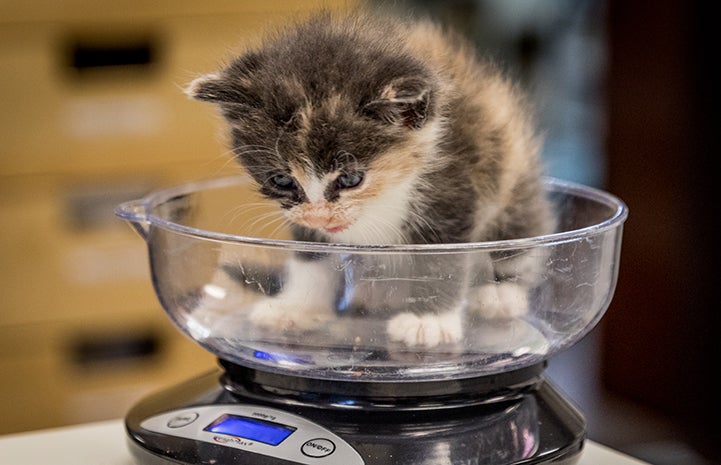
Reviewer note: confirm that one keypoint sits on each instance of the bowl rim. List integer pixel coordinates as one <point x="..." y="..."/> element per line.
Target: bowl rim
<point x="140" y="212"/>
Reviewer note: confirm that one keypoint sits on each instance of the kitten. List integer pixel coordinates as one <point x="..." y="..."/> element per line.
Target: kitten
<point x="381" y="131"/>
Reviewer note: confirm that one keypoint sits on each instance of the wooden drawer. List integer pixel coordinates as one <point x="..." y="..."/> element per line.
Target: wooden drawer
<point x="93" y="89"/>
<point x="82" y="335"/>
<point x="78" y="370"/>
<point x="64" y="254"/>
<point x="58" y="119"/>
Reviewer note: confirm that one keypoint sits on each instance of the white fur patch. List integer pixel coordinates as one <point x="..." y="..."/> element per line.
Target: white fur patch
<point x="192" y="89"/>
<point x="315" y="188"/>
<point x="382" y="218"/>
<point x="429" y="330"/>
<point x="502" y="300"/>
<point x="305" y="302"/>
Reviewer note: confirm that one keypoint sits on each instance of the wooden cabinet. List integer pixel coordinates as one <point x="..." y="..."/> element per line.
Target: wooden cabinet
<point x="93" y="114"/>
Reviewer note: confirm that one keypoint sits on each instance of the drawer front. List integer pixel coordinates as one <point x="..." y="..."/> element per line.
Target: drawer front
<point x="68" y="372"/>
<point x="104" y="91"/>
<point x="93" y="114"/>
<point x="63" y="252"/>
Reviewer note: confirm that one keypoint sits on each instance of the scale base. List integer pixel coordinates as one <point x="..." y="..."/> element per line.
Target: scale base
<point x="536" y="425"/>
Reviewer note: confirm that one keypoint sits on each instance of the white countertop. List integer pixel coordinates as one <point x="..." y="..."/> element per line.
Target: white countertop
<point x="103" y="443"/>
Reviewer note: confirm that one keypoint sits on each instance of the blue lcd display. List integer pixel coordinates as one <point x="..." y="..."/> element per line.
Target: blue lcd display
<point x="254" y="429"/>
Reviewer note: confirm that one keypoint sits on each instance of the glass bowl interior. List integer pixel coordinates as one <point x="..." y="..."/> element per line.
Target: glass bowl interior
<point x="227" y="273"/>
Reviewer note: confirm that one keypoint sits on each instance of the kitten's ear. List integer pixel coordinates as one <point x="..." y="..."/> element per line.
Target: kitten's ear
<point x="209" y="88"/>
<point x="231" y="85"/>
<point x="403" y="102"/>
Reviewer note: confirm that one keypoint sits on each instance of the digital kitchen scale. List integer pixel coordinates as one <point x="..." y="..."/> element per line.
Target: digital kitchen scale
<point x="245" y="416"/>
<point x="339" y="390"/>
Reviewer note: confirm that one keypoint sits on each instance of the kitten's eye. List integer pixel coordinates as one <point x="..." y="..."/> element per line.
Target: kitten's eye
<point x="349" y="180"/>
<point x="283" y="182"/>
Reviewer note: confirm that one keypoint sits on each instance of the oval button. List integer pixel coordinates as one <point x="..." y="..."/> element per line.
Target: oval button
<point x="181" y="420"/>
<point x="318" y="448"/>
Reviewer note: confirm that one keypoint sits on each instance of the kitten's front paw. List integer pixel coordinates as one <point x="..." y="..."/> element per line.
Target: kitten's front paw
<point x="282" y="314"/>
<point x="207" y="315"/>
<point x="503" y="300"/>
<point x="426" y="330"/>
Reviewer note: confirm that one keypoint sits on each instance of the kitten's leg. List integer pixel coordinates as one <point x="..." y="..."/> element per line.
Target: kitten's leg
<point x="216" y="307"/>
<point x="432" y="314"/>
<point x="501" y="300"/>
<point x="502" y="284"/>
<point x="305" y="300"/>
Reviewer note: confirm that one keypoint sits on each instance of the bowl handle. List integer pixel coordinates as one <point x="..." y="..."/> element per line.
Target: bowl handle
<point x="135" y="213"/>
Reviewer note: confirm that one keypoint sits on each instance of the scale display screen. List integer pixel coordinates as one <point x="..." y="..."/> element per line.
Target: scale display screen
<point x="254" y="429"/>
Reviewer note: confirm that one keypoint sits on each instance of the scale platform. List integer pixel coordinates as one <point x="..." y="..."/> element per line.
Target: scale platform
<point x="244" y="416"/>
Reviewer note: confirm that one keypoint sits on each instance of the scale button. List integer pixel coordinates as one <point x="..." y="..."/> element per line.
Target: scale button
<point x="318" y="448"/>
<point x="184" y="419"/>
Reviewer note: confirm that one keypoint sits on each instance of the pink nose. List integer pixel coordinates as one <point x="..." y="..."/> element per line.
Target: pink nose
<point x="316" y="221"/>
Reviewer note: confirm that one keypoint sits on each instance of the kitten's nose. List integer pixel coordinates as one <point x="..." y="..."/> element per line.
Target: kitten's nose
<point x="316" y="221"/>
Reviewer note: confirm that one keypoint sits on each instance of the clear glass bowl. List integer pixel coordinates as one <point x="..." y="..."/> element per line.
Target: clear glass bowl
<point x="226" y="272"/>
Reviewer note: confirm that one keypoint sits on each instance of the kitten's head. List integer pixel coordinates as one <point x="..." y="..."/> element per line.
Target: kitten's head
<point x="334" y="122"/>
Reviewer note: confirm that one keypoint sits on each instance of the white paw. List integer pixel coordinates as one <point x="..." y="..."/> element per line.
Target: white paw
<point x="212" y="317"/>
<point x="285" y="314"/>
<point x="426" y="330"/>
<point x="503" y="300"/>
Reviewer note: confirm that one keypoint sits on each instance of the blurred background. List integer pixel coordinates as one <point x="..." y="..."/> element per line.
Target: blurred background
<point x="92" y="114"/>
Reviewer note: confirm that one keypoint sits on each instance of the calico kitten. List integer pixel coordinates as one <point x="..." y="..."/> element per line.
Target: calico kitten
<point x="382" y="131"/>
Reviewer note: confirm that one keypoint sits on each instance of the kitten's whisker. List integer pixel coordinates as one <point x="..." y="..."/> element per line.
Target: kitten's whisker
<point x="344" y="158"/>
<point x="224" y="166"/>
<point x="251" y="223"/>
<point x="417" y="222"/>
<point x="258" y="150"/>
<point x="268" y="218"/>
<point x="245" y="211"/>
<point x="277" y="144"/>
<point x="378" y="228"/>
<point x="239" y="210"/>
<point x="285" y="223"/>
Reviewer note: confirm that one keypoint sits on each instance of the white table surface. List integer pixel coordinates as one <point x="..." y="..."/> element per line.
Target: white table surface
<point x="103" y="443"/>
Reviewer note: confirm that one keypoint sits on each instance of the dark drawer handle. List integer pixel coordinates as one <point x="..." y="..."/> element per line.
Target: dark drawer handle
<point x="109" y="52"/>
<point x="94" y="351"/>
